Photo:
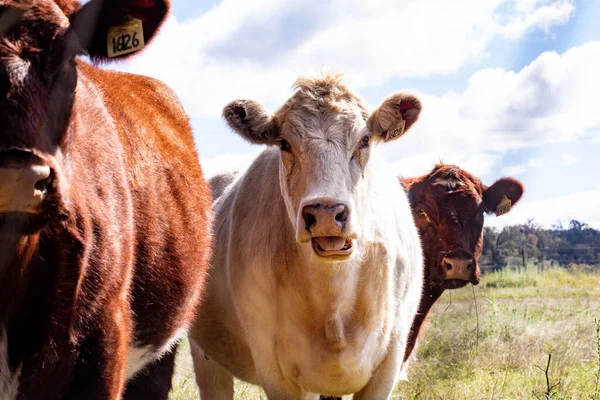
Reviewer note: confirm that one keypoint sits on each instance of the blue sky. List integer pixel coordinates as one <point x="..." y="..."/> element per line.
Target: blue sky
<point x="509" y="87"/>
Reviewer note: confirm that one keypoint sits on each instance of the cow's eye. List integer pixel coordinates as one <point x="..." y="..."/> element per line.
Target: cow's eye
<point x="423" y="215"/>
<point x="284" y="145"/>
<point x="364" y="142"/>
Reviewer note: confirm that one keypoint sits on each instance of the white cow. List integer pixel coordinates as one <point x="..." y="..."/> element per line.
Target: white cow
<point x="317" y="268"/>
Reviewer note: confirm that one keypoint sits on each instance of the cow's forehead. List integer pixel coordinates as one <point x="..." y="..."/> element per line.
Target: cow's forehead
<point x="316" y="97"/>
<point x="450" y="178"/>
<point x="26" y="32"/>
<point x="330" y="114"/>
<point x="452" y="188"/>
<point x="66" y="5"/>
<point x="465" y="201"/>
<point x="333" y="125"/>
<point x="22" y="20"/>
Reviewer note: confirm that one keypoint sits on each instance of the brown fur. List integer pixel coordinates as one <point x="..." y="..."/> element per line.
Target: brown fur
<point x="117" y="257"/>
<point x="448" y="206"/>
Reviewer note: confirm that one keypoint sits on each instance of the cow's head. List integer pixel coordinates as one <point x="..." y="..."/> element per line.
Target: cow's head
<point x="39" y="43"/>
<point x="325" y="135"/>
<point x="448" y="206"/>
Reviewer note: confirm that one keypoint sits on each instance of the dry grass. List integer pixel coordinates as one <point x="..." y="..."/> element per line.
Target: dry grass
<point x="488" y="348"/>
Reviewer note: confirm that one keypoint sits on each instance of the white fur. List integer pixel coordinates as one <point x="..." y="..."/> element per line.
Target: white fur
<point x="17" y="69"/>
<point x="140" y="357"/>
<point x="9" y="381"/>
<point x="450" y="184"/>
<point x="262" y="298"/>
<point x="277" y="315"/>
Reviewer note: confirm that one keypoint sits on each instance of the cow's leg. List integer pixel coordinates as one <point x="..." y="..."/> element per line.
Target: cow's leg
<point x="214" y="381"/>
<point x="381" y="384"/>
<point x="99" y="372"/>
<point x="153" y="382"/>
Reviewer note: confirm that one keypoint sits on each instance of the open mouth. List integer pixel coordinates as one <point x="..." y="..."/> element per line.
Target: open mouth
<point x="332" y="246"/>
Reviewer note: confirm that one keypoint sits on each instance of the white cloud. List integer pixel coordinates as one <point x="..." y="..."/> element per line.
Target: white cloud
<point x="569" y="159"/>
<point x="546" y="102"/>
<point x="228" y="162"/>
<point x="537" y="162"/>
<point x="422" y="163"/>
<point x="582" y="206"/>
<point x="256" y="49"/>
<point x="513" y="170"/>
<point x="537" y="14"/>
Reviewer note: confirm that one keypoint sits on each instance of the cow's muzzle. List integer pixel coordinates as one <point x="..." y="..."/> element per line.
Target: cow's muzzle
<point x="459" y="271"/>
<point x="24" y="182"/>
<point x="326" y="224"/>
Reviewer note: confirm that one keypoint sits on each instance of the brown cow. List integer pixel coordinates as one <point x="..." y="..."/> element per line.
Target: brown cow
<point x="104" y="211"/>
<point x="448" y="205"/>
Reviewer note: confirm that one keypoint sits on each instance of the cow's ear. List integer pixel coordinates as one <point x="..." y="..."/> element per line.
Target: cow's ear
<point x="394" y="116"/>
<point x="502" y="195"/>
<point x="407" y="182"/>
<point x="251" y="121"/>
<point x="117" y="29"/>
<point x="411" y="186"/>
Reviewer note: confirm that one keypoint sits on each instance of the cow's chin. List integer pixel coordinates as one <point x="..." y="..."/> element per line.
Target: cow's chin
<point x="455" y="283"/>
<point x="332" y="248"/>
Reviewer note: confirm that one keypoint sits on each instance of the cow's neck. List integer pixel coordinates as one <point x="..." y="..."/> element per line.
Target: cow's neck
<point x="430" y="296"/>
<point x="17" y="252"/>
<point x="332" y="291"/>
<point x="28" y="296"/>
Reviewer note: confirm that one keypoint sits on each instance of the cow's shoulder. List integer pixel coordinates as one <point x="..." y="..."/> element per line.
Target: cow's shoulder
<point x="221" y="182"/>
<point x="259" y="184"/>
<point x="253" y="207"/>
<point x="145" y="113"/>
<point x="139" y="94"/>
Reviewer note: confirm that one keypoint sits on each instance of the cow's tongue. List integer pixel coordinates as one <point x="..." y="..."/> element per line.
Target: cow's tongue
<point x="331" y="243"/>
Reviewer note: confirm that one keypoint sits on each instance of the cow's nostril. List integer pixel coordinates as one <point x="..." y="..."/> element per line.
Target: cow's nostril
<point x="309" y="219"/>
<point x="342" y="217"/>
<point x="42" y="185"/>
<point x="448" y="265"/>
<point x="469" y="265"/>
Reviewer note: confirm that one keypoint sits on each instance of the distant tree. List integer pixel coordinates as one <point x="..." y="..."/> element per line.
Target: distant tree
<point x="577" y="226"/>
<point x="577" y="245"/>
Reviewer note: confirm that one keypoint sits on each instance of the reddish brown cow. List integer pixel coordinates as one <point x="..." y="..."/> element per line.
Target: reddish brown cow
<point x="448" y="206"/>
<point x="104" y="212"/>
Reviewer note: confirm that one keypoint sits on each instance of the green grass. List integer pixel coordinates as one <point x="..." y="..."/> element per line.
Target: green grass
<point x="485" y="342"/>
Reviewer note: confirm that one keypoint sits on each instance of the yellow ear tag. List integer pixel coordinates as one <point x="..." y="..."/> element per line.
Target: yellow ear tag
<point x="504" y="206"/>
<point x="125" y="38"/>
<point x="396" y="132"/>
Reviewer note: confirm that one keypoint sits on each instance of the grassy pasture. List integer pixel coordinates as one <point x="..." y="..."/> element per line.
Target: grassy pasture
<point x="487" y="342"/>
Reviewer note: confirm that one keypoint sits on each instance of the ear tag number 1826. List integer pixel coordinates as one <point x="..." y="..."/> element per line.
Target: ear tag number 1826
<point x="125" y="38"/>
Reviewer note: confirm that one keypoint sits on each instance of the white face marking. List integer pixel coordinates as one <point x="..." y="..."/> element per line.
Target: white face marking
<point x="17" y="70"/>
<point x="9" y="381"/>
<point x="448" y="183"/>
<point x="139" y="357"/>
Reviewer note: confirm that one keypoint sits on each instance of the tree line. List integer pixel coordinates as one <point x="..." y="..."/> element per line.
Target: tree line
<point x="576" y="246"/>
